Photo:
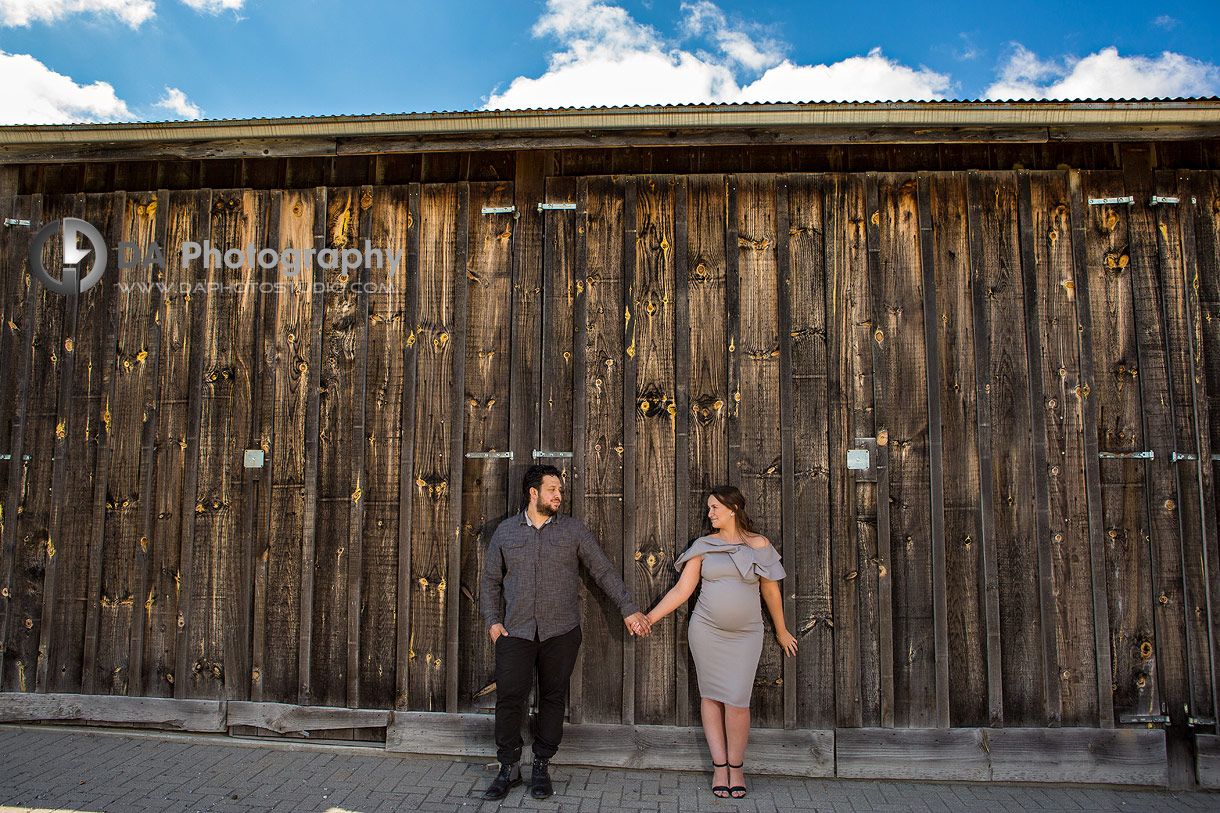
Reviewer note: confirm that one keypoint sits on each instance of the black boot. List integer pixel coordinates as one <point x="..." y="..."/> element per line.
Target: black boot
<point x="540" y="779"/>
<point x="509" y="777"/>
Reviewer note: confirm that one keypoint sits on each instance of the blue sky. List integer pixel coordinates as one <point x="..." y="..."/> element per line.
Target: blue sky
<point x="116" y="60"/>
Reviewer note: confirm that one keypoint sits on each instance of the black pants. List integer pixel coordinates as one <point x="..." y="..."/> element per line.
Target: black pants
<point x="516" y="660"/>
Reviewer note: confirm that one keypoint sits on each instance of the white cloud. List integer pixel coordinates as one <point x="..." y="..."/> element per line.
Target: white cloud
<point x="32" y="93"/>
<point x="608" y="58"/>
<point x="1103" y="75"/>
<point x="215" y="6"/>
<point x="858" y="78"/>
<point x="176" y="102"/>
<point x="1166" y="22"/>
<point x="24" y="12"/>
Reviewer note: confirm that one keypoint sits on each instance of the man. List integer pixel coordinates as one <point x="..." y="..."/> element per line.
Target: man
<point x="530" y="597"/>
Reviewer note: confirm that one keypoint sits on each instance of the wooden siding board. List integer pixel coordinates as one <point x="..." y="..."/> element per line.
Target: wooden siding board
<point x="682" y="415"/>
<point x="602" y="688"/>
<point x="1155" y="258"/>
<point x="457" y="412"/>
<point x="65" y="653"/>
<point x="879" y="565"/>
<point x="758" y="403"/>
<point x="652" y="305"/>
<point x="967" y="632"/>
<point x="899" y="336"/>
<point x="1120" y="429"/>
<point x="1054" y="281"/>
<point x="810" y="616"/>
<point x="218" y="650"/>
<point x="1039" y="464"/>
<point x="178" y="316"/>
<point x="708" y="371"/>
<point x="433" y="429"/>
<point x="485" y="480"/>
<point x="787" y="541"/>
<point x="19" y="328"/>
<point x="387" y="230"/>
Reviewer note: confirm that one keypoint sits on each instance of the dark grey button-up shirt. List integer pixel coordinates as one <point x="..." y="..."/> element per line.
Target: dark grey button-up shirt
<point x="531" y="578"/>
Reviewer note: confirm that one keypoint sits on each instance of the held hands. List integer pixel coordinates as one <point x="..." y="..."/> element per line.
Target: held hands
<point x="787" y="642"/>
<point x="496" y="631"/>
<point x="638" y="624"/>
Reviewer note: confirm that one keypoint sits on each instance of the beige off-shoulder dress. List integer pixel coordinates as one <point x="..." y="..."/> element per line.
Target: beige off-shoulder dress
<point x="726" y="627"/>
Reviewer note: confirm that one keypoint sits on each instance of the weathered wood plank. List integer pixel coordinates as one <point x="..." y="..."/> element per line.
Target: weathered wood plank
<point x="218" y="649"/>
<point x="1093" y="499"/>
<point x="630" y="327"/>
<point x="65" y="653"/>
<point x="1062" y="416"/>
<point x="66" y="425"/>
<point x="132" y="408"/>
<point x="342" y="339"/>
<point x="1201" y="247"/>
<point x="682" y="491"/>
<point x="883" y="410"/>
<point x="787" y="542"/>
<point x="288" y="362"/>
<point x="936" y="446"/>
<point x="707" y="375"/>
<point x="180" y="323"/>
<point x="641" y="747"/>
<point x="406" y="462"/>
<point x="457" y="410"/>
<point x="605" y="363"/>
<point x="984" y="408"/>
<point x="1155" y="259"/>
<point x="283" y="718"/>
<point x="852" y="498"/>
<point x="1207" y="761"/>
<point x="1053" y="708"/>
<point x="970" y="754"/>
<point x="187" y="715"/>
<point x="652" y="548"/>
<point x="898" y="332"/>
<point x="967" y="637"/>
<point x="143" y="559"/>
<point x="430" y="533"/>
<point x="807" y="547"/>
<point x="1120" y="430"/>
<point x="20" y="326"/>
<point x="529" y="189"/>
<point x="580" y="409"/>
<point x="485" y="498"/>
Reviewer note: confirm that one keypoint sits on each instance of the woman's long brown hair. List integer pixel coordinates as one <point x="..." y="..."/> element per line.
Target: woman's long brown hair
<point x="731" y="498"/>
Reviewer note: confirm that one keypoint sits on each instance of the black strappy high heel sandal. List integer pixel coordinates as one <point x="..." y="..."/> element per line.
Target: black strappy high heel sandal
<point x="718" y="790"/>
<point x="733" y="791"/>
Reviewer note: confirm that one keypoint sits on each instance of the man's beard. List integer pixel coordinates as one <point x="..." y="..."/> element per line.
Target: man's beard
<point x="543" y="509"/>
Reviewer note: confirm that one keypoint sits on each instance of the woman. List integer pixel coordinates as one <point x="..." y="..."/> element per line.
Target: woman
<point x="726" y="631"/>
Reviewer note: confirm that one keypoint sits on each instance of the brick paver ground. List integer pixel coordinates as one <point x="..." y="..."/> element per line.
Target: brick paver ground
<point x="49" y="769"/>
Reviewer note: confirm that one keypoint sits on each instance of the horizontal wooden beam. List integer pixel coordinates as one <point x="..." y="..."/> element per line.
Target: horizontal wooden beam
<point x="1110" y="756"/>
<point x="285" y="718"/>
<point x="300" y="147"/>
<point x="186" y="715"/>
<point x="1207" y="760"/>
<point x="641" y="747"/>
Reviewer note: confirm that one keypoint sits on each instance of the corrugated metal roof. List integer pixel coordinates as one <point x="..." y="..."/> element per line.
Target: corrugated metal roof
<point x="940" y="113"/>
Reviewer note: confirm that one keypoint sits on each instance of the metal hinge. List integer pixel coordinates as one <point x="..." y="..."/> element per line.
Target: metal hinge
<point x="542" y="207"/>
<point x="497" y="455"/>
<point x="1192" y="720"/>
<point x="539" y="454"/>
<point x="499" y="210"/>
<point x="11" y="221"/>
<point x="1127" y="199"/>
<point x="1144" y="718"/>
<point x="10" y="457"/>
<point x="1157" y="200"/>
<point x="1127" y="455"/>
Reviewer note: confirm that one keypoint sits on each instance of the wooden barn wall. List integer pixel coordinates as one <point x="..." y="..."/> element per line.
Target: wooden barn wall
<point x="1030" y="371"/>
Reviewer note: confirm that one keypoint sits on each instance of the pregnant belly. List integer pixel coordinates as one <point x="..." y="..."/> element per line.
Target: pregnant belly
<point x="729" y="605"/>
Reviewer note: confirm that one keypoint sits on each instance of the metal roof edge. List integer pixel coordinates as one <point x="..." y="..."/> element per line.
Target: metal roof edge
<point x="1059" y="114"/>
